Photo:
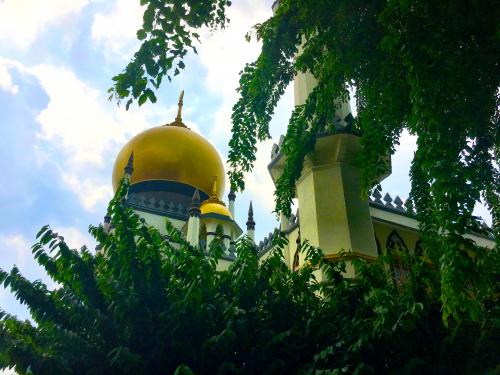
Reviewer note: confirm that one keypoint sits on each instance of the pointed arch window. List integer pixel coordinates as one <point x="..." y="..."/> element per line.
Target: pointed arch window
<point x="397" y="248"/>
<point x="219" y="234"/>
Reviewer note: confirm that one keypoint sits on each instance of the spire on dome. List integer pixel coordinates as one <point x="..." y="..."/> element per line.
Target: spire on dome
<point x="178" y="118"/>
<point x="232" y="195"/>
<point x="129" y="168"/>
<point x="214" y="188"/>
<point x="214" y="198"/>
<point x="179" y="110"/>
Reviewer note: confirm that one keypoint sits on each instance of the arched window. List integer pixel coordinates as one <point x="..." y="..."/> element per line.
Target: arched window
<point x="397" y="248"/>
<point x="379" y="249"/>
<point x="219" y="234"/>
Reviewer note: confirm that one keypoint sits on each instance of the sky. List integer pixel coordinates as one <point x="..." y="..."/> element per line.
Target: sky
<point x="59" y="134"/>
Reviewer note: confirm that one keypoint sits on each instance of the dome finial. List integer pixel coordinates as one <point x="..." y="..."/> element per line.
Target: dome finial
<point x="214" y="197"/>
<point x="179" y="110"/>
<point x="214" y="188"/>
<point x="178" y="118"/>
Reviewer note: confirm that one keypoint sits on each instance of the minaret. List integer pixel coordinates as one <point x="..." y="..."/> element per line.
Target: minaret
<point x="231" y="197"/>
<point x="193" y="229"/>
<point x="250" y="223"/>
<point x="333" y="214"/>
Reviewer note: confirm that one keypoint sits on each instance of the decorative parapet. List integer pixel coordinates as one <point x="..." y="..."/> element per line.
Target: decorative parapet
<point x="406" y="208"/>
<point x="386" y="202"/>
<point x="340" y="126"/>
<point x="267" y="243"/>
<point x="159" y="207"/>
<point x="375" y="199"/>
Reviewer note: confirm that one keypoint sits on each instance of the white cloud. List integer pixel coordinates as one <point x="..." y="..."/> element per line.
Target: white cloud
<point x="259" y="183"/>
<point x="16" y="250"/>
<point x="115" y="32"/>
<point x="225" y="53"/>
<point x="21" y="21"/>
<point x="79" y="119"/>
<point x="90" y="191"/>
<point x="6" y="79"/>
<point x="81" y="132"/>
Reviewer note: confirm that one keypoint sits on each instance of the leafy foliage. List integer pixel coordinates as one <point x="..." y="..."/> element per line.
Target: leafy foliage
<point x="430" y="67"/>
<point x="167" y="34"/>
<point x="425" y="66"/>
<point x="149" y="304"/>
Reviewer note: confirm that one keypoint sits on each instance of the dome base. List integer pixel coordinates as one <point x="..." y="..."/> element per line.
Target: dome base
<point x="165" y="198"/>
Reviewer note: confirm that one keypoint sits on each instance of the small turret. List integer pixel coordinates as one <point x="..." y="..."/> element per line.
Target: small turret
<point x="231" y="197"/>
<point x="194" y="209"/>
<point x="251" y="223"/>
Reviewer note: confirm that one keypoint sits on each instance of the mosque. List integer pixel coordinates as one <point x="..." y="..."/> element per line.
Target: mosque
<point x="176" y="174"/>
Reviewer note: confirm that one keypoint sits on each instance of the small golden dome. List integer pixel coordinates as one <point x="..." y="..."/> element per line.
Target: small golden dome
<point x="214" y="205"/>
<point x="172" y="153"/>
<point x="214" y="208"/>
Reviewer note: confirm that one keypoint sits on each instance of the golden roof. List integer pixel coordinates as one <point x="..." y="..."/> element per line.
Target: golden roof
<point x="215" y="208"/>
<point x="173" y="153"/>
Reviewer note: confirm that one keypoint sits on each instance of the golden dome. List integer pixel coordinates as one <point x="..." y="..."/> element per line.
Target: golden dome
<point x="214" y="208"/>
<point x="213" y="205"/>
<point x="172" y="153"/>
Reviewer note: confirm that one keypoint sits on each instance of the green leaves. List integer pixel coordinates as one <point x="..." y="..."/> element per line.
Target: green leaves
<point x="148" y="303"/>
<point x="414" y="68"/>
<point x="167" y="34"/>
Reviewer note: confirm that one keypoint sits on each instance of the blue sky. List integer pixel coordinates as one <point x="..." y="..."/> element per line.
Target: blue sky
<point x="60" y="135"/>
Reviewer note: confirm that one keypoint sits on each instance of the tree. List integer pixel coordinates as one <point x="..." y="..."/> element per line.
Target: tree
<point x="429" y="67"/>
<point x="145" y="304"/>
